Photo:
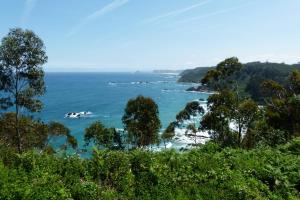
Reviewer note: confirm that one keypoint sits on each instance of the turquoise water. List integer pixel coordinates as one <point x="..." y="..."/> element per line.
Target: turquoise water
<point x="106" y="95"/>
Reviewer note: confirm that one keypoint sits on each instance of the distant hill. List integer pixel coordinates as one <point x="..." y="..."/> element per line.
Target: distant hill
<point x="167" y="71"/>
<point x="250" y="77"/>
<point x="193" y="75"/>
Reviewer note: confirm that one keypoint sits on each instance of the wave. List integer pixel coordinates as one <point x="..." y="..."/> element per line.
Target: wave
<point x="200" y="92"/>
<point x="172" y="90"/>
<point x="112" y="83"/>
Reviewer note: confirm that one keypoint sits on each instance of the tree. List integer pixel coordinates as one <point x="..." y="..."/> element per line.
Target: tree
<point x="245" y="114"/>
<point x="169" y="133"/>
<point x="221" y="107"/>
<point x="191" y="109"/>
<point x="141" y="121"/>
<point x="192" y="127"/>
<point x="282" y="105"/>
<point x="227" y="106"/>
<point x="35" y="134"/>
<point x="22" y="54"/>
<point x="221" y="76"/>
<point x="294" y="80"/>
<point x="102" y="136"/>
<point x="280" y="121"/>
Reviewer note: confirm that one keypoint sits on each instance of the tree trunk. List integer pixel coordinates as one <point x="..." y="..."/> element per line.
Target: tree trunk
<point x="17" y="113"/>
<point x="240" y="134"/>
<point x="17" y="125"/>
<point x="239" y="119"/>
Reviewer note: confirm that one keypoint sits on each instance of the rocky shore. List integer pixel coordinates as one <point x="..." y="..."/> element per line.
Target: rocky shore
<point x="200" y="88"/>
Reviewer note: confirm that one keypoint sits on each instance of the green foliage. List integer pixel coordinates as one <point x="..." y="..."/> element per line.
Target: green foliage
<point x="193" y="75"/>
<point x="294" y="80"/>
<point x="141" y="121"/>
<point x="169" y="133"/>
<point x="270" y="171"/>
<point x="22" y="54"/>
<point x="249" y="78"/>
<point x="191" y="109"/>
<point x="101" y="136"/>
<point x="207" y="172"/>
<point x="225" y="106"/>
<point x="222" y="73"/>
<point x="221" y="112"/>
<point x="35" y="134"/>
<point x="283" y="105"/>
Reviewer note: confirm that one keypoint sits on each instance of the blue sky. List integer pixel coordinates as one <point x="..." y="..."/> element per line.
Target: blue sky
<point x="129" y="35"/>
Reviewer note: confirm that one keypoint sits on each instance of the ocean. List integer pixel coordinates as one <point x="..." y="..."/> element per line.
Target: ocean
<point x="106" y="95"/>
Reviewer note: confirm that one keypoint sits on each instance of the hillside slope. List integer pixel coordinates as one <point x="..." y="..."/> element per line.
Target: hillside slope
<point x="250" y="77"/>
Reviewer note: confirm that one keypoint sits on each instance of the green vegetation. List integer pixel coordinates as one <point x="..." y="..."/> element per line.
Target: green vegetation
<point x="22" y="78"/>
<point x="275" y="123"/>
<point x="208" y="172"/>
<point x="141" y="121"/>
<point x="258" y="159"/>
<point x="250" y="77"/>
<point x="193" y="75"/>
<point x="103" y="137"/>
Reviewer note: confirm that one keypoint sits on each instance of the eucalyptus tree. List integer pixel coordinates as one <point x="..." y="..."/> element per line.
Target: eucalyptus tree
<point x="22" y="54"/>
<point x="191" y="110"/>
<point x="245" y="114"/>
<point x="141" y="121"/>
<point x="217" y="120"/>
<point x="226" y="106"/>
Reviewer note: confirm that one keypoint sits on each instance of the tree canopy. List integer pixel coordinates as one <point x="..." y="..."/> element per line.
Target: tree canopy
<point x="141" y="121"/>
<point x="22" y="54"/>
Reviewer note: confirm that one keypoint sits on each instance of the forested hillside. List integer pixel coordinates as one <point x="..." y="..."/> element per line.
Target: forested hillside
<point x="250" y="77"/>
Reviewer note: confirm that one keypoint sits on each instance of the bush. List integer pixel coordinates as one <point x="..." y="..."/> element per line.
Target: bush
<point x="207" y="172"/>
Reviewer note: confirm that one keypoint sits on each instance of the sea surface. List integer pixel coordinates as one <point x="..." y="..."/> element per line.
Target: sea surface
<point x="106" y="95"/>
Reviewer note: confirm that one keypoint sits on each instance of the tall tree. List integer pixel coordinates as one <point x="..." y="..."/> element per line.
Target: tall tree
<point x="141" y="121"/>
<point x="22" y="53"/>
<point x="217" y="120"/>
<point x="226" y="106"/>
<point x="245" y="114"/>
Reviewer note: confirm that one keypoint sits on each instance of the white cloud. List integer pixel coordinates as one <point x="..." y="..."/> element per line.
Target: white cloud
<point x="29" y="6"/>
<point x="175" y="12"/>
<point x="215" y="13"/>
<point x="98" y="13"/>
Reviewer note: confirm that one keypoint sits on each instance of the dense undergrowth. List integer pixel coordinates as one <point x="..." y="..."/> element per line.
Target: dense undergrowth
<point x="207" y="172"/>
